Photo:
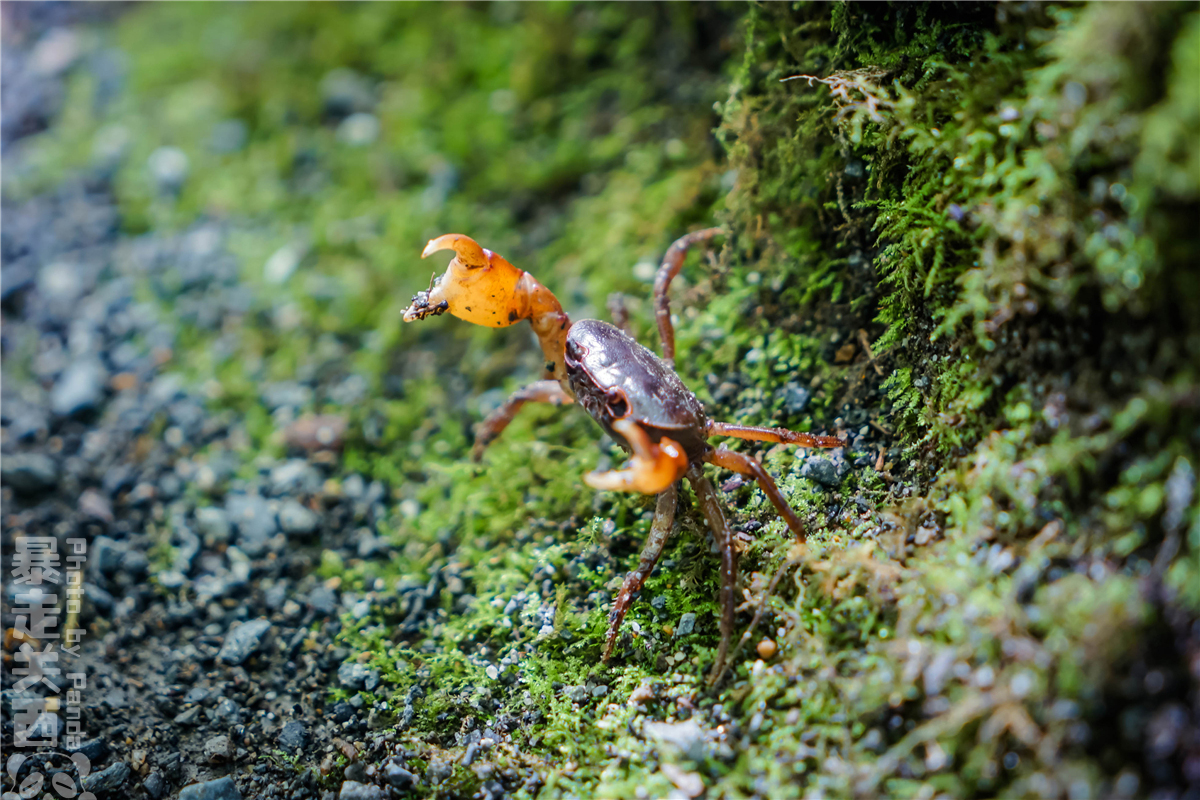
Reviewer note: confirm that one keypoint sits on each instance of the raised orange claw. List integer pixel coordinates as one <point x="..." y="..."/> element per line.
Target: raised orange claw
<point x="480" y="286"/>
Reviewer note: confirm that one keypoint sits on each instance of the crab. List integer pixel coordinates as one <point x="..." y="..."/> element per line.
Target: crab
<point x="633" y="394"/>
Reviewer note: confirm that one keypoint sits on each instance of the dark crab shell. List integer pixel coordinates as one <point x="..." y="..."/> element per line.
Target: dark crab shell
<point x="615" y="377"/>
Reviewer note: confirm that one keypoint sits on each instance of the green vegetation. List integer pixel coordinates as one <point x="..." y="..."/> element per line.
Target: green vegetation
<point x="974" y="244"/>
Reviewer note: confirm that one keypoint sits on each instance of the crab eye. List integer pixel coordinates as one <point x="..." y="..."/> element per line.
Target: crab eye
<point x="575" y="351"/>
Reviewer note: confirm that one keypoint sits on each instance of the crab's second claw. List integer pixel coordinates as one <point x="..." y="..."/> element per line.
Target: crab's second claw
<point x="652" y="467"/>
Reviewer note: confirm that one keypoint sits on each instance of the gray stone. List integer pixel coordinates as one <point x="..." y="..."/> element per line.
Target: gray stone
<point x="354" y="487"/>
<point x="169" y="167"/>
<point x="171" y="579"/>
<point x="296" y="520"/>
<point x="108" y="554"/>
<point x="155" y="785"/>
<point x="79" y="389"/>
<point x="243" y="640"/>
<point x="323" y="600"/>
<point x="227" y="711"/>
<point x="353" y="675"/>
<point x="218" y="749"/>
<point x="353" y="790"/>
<point x="350" y="391"/>
<point x="286" y="394"/>
<point x="188" y="717"/>
<point x="396" y="775"/>
<point x="96" y="750"/>
<point x="29" y="425"/>
<point x="687" y="624"/>
<point x="822" y="471"/>
<point x="938" y="671"/>
<point x="169" y="486"/>
<point x="61" y="284"/>
<point x="795" y="398"/>
<point x="55" y="52"/>
<point x="107" y="781"/>
<point x="358" y="130"/>
<point x="135" y="563"/>
<point x="686" y="737"/>
<point x="197" y="694"/>
<point x="295" y="476"/>
<point x="254" y="520"/>
<point x="283" y="262"/>
<point x="341" y="711"/>
<point x="165" y="388"/>
<point x="220" y="789"/>
<point x="1181" y="488"/>
<point x="344" y="92"/>
<point x="276" y="596"/>
<point x="28" y="473"/>
<point x="213" y="525"/>
<point x="293" y="737"/>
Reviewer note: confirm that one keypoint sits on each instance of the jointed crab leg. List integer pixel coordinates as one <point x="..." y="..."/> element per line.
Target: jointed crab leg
<point x="652" y="467"/>
<point x="482" y="287"/>
<point x="746" y="465"/>
<point x="710" y="504"/>
<point x="537" y="392"/>
<point x="779" y="435"/>
<point x="671" y="264"/>
<point x="660" y="531"/>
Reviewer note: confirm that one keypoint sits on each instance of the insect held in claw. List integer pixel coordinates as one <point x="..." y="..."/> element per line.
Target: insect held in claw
<point x="634" y="395"/>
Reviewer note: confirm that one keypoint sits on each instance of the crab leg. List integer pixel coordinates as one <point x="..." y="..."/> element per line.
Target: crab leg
<point x="710" y="504"/>
<point x="537" y="392"/>
<point x="619" y="312"/>
<point x="660" y="531"/>
<point x="778" y="435"/>
<point x="652" y="467"/>
<point x="744" y="464"/>
<point x="671" y="264"/>
<point x="482" y="287"/>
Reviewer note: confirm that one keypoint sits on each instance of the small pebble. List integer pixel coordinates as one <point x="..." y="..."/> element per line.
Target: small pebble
<point x="220" y="789"/>
<point x="822" y="471"/>
<point x="243" y="641"/>
<point x="107" y="781"/>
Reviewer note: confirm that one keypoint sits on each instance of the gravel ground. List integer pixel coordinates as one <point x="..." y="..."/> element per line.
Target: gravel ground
<point x="207" y="662"/>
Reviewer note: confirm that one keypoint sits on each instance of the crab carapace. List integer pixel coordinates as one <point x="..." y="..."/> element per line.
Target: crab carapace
<point x="634" y="395"/>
